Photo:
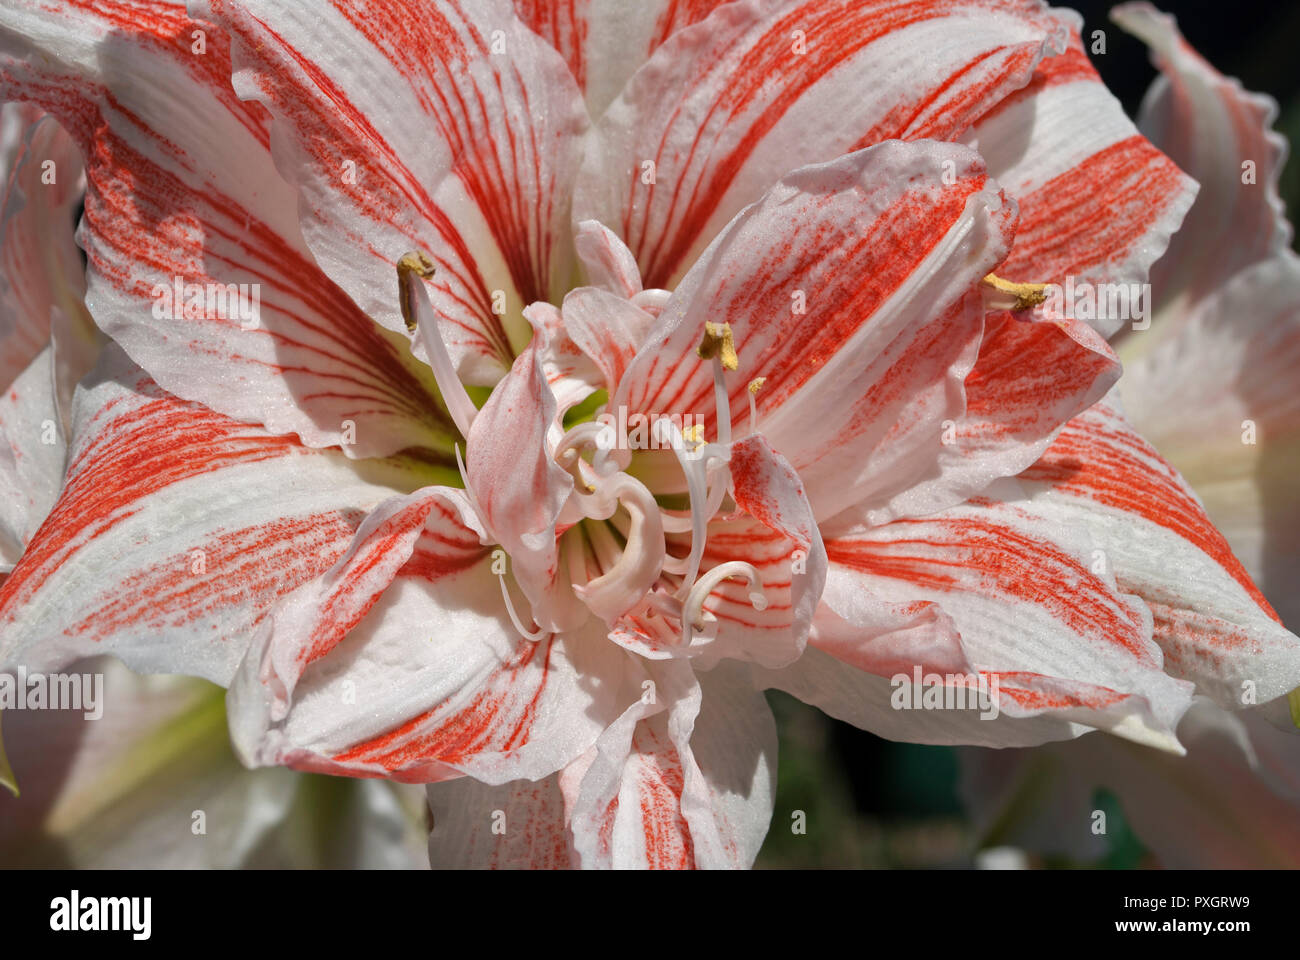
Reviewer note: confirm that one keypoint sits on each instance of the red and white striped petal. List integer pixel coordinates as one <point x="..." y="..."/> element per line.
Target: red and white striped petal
<point x="1213" y="624"/>
<point x="181" y="184"/>
<point x="1098" y="202"/>
<point x="570" y="373"/>
<point x="43" y="320"/>
<point x="447" y="127"/>
<point x="846" y="290"/>
<point x="608" y="262"/>
<point x="605" y="41"/>
<point x="514" y="483"/>
<point x="1218" y="402"/>
<point x="865" y="698"/>
<point x="314" y="619"/>
<point x="176" y="530"/>
<point x="1220" y="135"/>
<point x="606" y="327"/>
<point x="403" y="663"/>
<point x="723" y="109"/>
<point x="859" y="646"/>
<point x="40" y="266"/>
<point x="1031" y="377"/>
<point x="784" y="546"/>
<point x="685" y="779"/>
<point x="1034" y="606"/>
<point x="520" y="825"/>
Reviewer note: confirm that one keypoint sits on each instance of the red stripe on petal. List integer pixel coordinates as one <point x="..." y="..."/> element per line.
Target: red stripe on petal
<point x="1118" y="469"/>
<point x="1032" y="376"/>
<point x="563" y="23"/>
<point x="991" y="558"/>
<point x="134" y="454"/>
<point x="1094" y="214"/>
<point x="703" y="146"/>
<point x="168" y="593"/>
<point x="498" y="718"/>
<point x="789" y="348"/>
<point x="1069" y="67"/>
<point x="657" y="768"/>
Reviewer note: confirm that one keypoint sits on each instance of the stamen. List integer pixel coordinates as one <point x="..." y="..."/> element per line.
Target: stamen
<point x="695" y="486"/>
<point x="608" y="452"/>
<point x="420" y="264"/>
<point x="603" y="545"/>
<point x="469" y="491"/>
<point x="721" y="402"/>
<point x="1009" y="295"/>
<point x="755" y="385"/>
<point x="533" y="635"/>
<point x="610" y="460"/>
<point x="719" y="342"/>
<point x="418" y="313"/>
<point x="672" y="523"/>
<point x="717" y="491"/>
<point x="579" y="437"/>
<point x="577" y="562"/>
<point x="636" y="569"/>
<point x="693" y="607"/>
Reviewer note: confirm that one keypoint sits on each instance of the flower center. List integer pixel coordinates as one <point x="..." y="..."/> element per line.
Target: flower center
<point x="640" y="577"/>
<point x="614" y="534"/>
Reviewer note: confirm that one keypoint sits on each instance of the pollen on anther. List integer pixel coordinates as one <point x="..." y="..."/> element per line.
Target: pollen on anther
<point x="1010" y="295"/>
<point x="719" y="342"/>
<point x="419" y="264"/>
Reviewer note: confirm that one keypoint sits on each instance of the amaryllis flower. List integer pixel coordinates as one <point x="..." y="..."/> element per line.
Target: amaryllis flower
<point x="609" y="369"/>
<point x="1206" y="382"/>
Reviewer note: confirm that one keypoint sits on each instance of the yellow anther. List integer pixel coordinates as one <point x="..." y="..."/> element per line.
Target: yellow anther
<point x="1019" y="296"/>
<point x="756" y="385"/>
<point x="718" y="342"/>
<point x="694" y="434"/>
<point x="414" y="266"/>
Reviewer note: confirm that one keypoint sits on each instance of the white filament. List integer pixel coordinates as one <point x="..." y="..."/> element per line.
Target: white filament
<point x="693" y="467"/>
<point x="693" y="607"/>
<point x="458" y="403"/>
<point x="722" y="403"/>
<point x="633" y="572"/>
<point x="533" y="635"/>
